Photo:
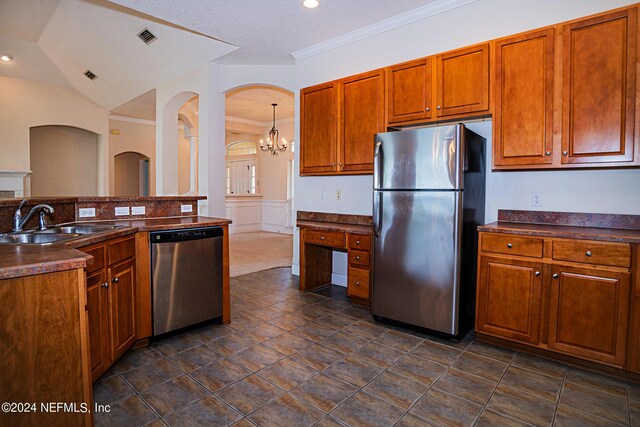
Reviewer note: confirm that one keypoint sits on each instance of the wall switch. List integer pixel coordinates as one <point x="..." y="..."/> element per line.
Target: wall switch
<point x="186" y="208"/>
<point x="338" y="195"/>
<point x="122" y="211"/>
<point x="536" y="200"/>
<point x="323" y="195"/>
<point x="86" y="212"/>
<point x="137" y="210"/>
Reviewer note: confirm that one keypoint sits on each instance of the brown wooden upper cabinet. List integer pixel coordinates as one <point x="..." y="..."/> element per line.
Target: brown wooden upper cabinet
<point x="564" y="96"/>
<point x="338" y="124"/>
<point x="523" y="99"/>
<point x="599" y="88"/>
<point x="459" y="80"/>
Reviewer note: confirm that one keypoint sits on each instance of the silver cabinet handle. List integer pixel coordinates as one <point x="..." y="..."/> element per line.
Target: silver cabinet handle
<point x="509" y="245"/>
<point x="115" y="280"/>
<point x="357" y="258"/>
<point x="321" y="237"/>
<point x="437" y="107"/>
<point x="357" y="242"/>
<point x="548" y="153"/>
<point x="589" y="253"/>
<point x="357" y="283"/>
<point x="564" y="153"/>
<point x="340" y="163"/>
<point x="105" y="285"/>
<point x="537" y="273"/>
<point x="333" y="164"/>
<point x="555" y="276"/>
<point x="427" y="109"/>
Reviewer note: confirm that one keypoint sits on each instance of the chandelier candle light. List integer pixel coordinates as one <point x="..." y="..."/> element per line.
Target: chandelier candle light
<point x="272" y="140"/>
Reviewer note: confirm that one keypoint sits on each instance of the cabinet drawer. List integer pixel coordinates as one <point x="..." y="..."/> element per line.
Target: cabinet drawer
<point x="614" y="254"/>
<point x="360" y="241"/>
<point x="327" y="238"/>
<point x="120" y="250"/>
<point x="98" y="259"/>
<point x="512" y="245"/>
<point x="358" y="283"/>
<point x="359" y="258"/>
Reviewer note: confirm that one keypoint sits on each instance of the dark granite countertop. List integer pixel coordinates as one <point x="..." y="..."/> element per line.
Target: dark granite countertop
<point x="84" y="199"/>
<point x="334" y="226"/>
<point x="604" y="227"/>
<point x="327" y="221"/>
<point x="28" y="260"/>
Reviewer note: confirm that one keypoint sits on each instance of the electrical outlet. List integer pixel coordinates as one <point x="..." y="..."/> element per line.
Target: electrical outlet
<point x="186" y="208"/>
<point x="86" y="212"/>
<point x="122" y="211"/>
<point x="323" y="195"/>
<point x="137" y="210"/>
<point x="536" y="200"/>
<point x="338" y="195"/>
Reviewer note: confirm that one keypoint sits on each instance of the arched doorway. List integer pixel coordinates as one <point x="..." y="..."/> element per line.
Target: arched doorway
<point x="63" y="161"/>
<point x="131" y="172"/>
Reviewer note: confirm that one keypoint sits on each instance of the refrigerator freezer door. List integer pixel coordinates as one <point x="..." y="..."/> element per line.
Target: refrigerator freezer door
<point x="415" y="260"/>
<point x="419" y="159"/>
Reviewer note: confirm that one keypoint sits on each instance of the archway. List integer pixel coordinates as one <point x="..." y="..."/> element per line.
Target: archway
<point x="131" y="170"/>
<point x="64" y="161"/>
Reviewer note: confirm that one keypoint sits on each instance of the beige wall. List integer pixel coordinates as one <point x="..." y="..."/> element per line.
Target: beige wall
<point x="127" y="174"/>
<point x="272" y="170"/>
<point x="138" y="136"/>
<point x="25" y="104"/>
<point x="184" y="157"/>
<point x="64" y="161"/>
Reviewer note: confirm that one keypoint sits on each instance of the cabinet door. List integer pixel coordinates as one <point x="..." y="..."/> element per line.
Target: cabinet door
<point x="462" y="81"/>
<point x="98" y="313"/>
<point x="509" y="302"/>
<point x="409" y="91"/>
<point x="362" y="117"/>
<point x="523" y="96"/>
<point x="121" y="307"/>
<point x="319" y="129"/>
<point x="588" y="313"/>
<point x="599" y="77"/>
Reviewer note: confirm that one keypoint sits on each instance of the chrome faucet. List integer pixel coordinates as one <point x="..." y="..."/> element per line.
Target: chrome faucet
<point x="19" y="221"/>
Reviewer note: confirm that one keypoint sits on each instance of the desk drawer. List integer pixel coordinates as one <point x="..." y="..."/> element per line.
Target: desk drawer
<point x="98" y="259"/>
<point x="358" y="283"/>
<point x="512" y="245"/>
<point x="359" y="258"/>
<point x="120" y="250"/>
<point x="325" y="238"/>
<point x="601" y="253"/>
<point x="360" y="242"/>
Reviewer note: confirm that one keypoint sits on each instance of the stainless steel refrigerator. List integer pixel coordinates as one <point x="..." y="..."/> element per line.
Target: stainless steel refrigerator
<point x="429" y="192"/>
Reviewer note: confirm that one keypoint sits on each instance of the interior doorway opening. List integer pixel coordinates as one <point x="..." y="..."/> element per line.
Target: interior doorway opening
<point x="131" y="171"/>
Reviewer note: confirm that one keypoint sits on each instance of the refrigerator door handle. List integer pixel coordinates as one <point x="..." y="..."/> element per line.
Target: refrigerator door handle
<point x="377" y="213"/>
<point x="377" y="165"/>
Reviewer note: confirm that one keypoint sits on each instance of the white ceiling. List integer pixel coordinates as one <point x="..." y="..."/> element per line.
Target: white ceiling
<point x="267" y="32"/>
<point x="254" y="104"/>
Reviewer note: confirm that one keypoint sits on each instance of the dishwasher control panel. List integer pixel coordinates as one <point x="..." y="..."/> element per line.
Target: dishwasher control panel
<point x="186" y="234"/>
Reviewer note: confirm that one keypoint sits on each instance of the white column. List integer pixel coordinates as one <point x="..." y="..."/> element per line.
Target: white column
<point x="193" y="164"/>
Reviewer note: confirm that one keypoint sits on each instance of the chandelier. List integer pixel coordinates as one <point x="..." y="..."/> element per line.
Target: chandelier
<point x="272" y="140"/>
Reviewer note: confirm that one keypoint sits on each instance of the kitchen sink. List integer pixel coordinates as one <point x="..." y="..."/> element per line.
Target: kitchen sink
<point x="36" y="238"/>
<point x="77" y="229"/>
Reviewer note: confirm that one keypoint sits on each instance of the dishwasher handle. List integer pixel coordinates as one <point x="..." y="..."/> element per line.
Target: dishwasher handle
<point x="185" y="234"/>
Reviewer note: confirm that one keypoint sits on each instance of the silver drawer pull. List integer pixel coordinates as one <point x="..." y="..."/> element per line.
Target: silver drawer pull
<point x="589" y="253"/>
<point x="509" y="245"/>
<point x="105" y="285"/>
<point x="115" y="280"/>
<point x="321" y="237"/>
<point x="357" y="283"/>
<point x="357" y="242"/>
<point x="357" y="258"/>
<point x="537" y="273"/>
<point x="555" y="276"/>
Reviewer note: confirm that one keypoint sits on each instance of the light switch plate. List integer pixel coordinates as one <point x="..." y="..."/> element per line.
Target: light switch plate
<point x="86" y="212"/>
<point x="137" y="210"/>
<point x="186" y="208"/>
<point x="122" y="211"/>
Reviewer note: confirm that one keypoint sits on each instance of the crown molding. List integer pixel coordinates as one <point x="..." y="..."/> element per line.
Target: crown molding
<point x="257" y="123"/>
<point x="431" y="9"/>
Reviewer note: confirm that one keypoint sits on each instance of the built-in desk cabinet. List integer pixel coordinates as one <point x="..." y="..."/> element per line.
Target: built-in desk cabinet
<point x="567" y="296"/>
<point x="110" y="301"/>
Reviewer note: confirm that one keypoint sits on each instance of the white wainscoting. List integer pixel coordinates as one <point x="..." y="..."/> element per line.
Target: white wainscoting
<point x="254" y="214"/>
<point x="13" y="181"/>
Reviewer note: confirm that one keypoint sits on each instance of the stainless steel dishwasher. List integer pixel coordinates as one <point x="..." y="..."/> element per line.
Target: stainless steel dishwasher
<point x="186" y="277"/>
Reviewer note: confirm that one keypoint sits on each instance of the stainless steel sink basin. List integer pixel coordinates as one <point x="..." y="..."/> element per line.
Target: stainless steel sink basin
<point x="78" y="229"/>
<point x="35" y="238"/>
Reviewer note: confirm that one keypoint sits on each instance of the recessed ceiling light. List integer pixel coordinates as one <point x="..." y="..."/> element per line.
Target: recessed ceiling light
<point x="310" y="3"/>
<point x="5" y="57"/>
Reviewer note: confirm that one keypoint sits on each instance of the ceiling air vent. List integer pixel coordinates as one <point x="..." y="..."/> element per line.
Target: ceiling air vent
<point x="146" y="36"/>
<point x="90" y="75"/>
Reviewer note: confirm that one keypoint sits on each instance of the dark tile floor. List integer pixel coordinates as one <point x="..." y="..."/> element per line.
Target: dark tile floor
<point x="293" y="359"/>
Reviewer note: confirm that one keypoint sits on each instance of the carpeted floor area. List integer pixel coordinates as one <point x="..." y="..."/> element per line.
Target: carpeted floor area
<point x="257" y="251"/>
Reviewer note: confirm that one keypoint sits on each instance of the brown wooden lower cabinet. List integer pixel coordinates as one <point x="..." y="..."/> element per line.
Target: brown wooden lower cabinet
<point x="573" y="307"/>
<point x="111" y="288"/>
